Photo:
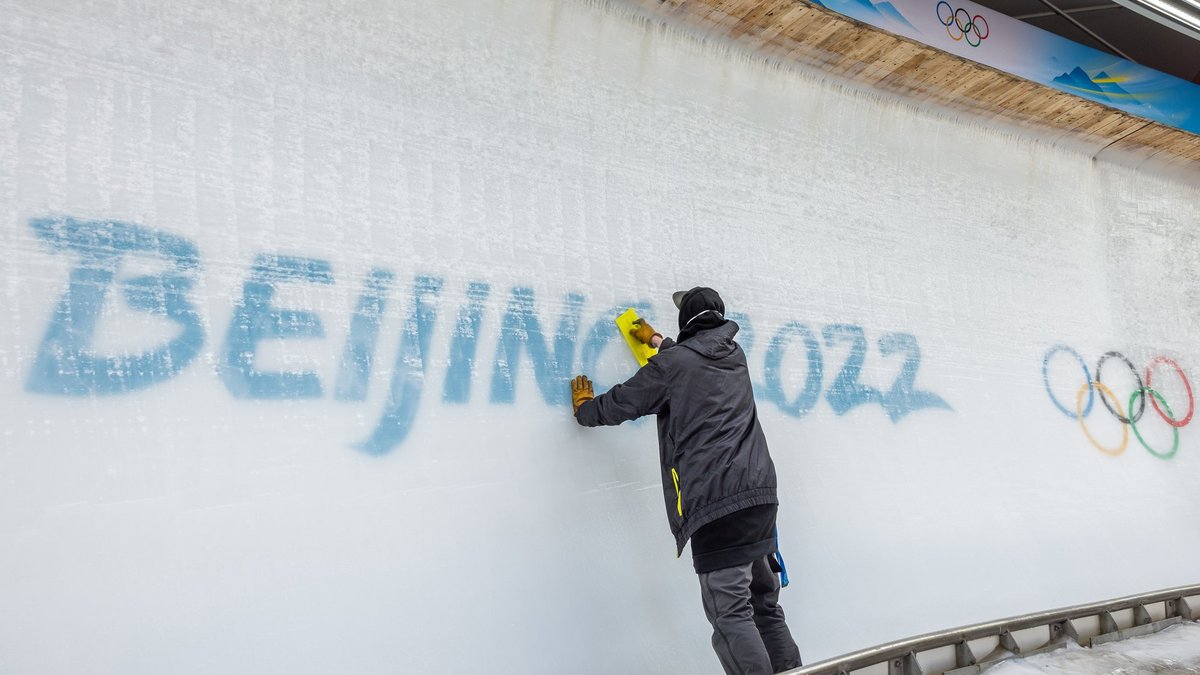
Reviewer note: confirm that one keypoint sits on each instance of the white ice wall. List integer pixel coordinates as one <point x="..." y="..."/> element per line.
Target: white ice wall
<point x="267" y="269"/>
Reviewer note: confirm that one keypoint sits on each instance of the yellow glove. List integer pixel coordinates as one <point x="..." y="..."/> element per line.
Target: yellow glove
<point x="581" y="392"/>
<point x="643" y="332"/>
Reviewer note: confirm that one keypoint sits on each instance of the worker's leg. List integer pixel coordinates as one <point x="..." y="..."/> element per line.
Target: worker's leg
<point x="736" y="638"/>
<point x="768" y="617"/>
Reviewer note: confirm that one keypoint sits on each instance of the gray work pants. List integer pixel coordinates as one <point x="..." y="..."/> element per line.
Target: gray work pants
<point x="750" y="634"/>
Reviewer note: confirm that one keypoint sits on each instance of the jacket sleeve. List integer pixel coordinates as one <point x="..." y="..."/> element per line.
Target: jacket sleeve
<point x="643" y="394"/>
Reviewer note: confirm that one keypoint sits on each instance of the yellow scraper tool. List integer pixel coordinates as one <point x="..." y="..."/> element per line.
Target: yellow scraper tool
<point x="640" y="351"/>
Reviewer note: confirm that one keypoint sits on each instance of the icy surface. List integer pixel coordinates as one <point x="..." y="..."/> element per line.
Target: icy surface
<point x="1173" y="651"/>
<point x="290" y="293"/>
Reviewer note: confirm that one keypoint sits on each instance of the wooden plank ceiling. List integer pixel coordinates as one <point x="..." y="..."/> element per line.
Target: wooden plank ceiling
<point x="793" y="30"/>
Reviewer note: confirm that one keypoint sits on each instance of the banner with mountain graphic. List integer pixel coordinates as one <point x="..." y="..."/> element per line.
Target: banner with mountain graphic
<point x="985" y="36"/>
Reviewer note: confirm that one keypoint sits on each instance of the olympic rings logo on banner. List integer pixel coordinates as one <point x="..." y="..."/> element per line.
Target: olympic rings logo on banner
<point x="960" y="24"/>
<point x="1144" y="390"/>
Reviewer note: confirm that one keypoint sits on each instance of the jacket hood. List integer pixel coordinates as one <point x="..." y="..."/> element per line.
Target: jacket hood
<point x="714" y="343"/>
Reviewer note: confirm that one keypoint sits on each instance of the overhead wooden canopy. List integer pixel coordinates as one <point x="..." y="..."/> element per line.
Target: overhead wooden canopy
<point x="796" y="31"/>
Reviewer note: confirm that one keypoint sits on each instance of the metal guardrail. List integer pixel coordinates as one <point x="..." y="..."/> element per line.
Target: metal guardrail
<point x="903" y="656"/>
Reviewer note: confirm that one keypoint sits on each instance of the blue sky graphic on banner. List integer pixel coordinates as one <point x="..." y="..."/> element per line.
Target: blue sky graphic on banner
<point x="974" y="32"/>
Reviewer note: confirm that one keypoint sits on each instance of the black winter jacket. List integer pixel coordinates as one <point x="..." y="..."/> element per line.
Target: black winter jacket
<point x="712" y="451"/>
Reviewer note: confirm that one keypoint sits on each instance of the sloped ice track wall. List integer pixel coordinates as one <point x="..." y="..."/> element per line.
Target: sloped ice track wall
<point x="292" y="292"/>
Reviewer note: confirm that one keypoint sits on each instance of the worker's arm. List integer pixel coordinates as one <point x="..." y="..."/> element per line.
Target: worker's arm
<point x="643" y="394"/>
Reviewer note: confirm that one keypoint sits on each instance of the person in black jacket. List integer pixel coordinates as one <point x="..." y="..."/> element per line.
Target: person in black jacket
<point x="718" y="479"/>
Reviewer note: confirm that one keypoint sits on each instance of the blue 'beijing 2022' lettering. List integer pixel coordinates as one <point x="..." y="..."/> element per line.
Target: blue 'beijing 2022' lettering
<point x="69" y="364"/>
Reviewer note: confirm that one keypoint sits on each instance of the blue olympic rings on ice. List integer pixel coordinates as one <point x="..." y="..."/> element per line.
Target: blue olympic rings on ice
<point x="1137" y="399"/>
<point x="1087" y="376"/>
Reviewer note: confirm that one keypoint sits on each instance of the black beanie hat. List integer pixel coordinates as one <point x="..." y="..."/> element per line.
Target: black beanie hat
<point x="697" y="301"/>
